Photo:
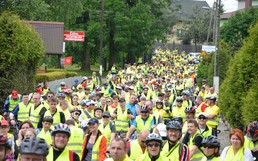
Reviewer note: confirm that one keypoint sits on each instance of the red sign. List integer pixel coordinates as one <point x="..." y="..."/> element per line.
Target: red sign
<point x="68" y="60"/>
<point x="74" y="36"/>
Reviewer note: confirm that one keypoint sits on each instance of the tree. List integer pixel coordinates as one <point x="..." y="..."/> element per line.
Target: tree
<point x="235" y="30"/>
<point x="21" y="51"/>
<point x="196" y="27"/>
<point x="240" y="80"/>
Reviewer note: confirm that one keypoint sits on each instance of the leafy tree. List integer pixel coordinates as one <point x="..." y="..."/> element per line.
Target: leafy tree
<point x="235" y="30"/>
<point x="240" y="79"/>
<point x="21" y="51"/>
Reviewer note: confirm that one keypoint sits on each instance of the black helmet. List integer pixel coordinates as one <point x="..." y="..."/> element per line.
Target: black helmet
<point x="185" y="92"/>
<point x="154" y="137"/>
<point x="62" y="128"/>
<point x="252" y="130"/>
<point x="174" y="125"/>
<point x="33" y="145"/>
<point x="99" y="108"/>
<point x="213" y="98"/>
<point x="211" y="141"/>
<point x="190" y="109"/>
<point x="178" y="119"/>
<point x="5" y="141"/>
<point x="159" y="101"/>
<point x="144" y="108"/>
<point x="48" y="119"/>
<point x="76" y="110"/>
<point x="179" y="99"/>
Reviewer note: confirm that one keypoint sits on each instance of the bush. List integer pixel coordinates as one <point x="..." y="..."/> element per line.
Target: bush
<point x="54" y="75"/>
<point x="21" y="51"/>
<point x="240" y="81"/>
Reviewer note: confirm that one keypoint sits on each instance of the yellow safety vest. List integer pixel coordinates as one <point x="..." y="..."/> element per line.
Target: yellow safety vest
<point x="122" y="121"/>
<point x="249" y="143"/>
<point x="206" y="133"/>
<point x="95" y="80"/>
<point x="179" y="112"/>
<point x="135" y="150"/>
<point x="95" y="149"/>
<point x="232" y="157"/>
<point x="46" y="136"/>
<point x="173" y="153"/>
<point x="23" y="113"/>
<point x="198" y="155"/>
<point x="145" y="157"/>
<point x="105" y="92"/>
<point x="212" y="122"/>
<point x="64" y="156"/>
<point x="125" y="159"/>
<point x="13" y="103"/>
<point x="44" y="91"/>
<point x="56" y="117"/>
<point x="213" y="159"/>
<point x="34" y="114"/>
<point x="76" y="140"/>
<point x="106" y="131"/>
<point x="141" y="125"/>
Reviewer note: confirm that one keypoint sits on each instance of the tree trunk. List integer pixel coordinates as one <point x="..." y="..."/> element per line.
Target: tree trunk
<point x="85" y="56"/>
<point x="112" y="48"/>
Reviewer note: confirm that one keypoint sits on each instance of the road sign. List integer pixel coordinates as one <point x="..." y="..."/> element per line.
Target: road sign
<point x="203" y="54"/>
<point x="74" y="36"/>
<point x="208" y="48"/>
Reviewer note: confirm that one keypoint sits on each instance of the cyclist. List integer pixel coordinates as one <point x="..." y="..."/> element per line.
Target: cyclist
<point x="5" y="147"/>
<point x="211" y="147"/>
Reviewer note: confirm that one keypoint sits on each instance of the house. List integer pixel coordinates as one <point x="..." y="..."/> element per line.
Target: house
<point x="185" y="8"/>
<point x="242" y="5"/>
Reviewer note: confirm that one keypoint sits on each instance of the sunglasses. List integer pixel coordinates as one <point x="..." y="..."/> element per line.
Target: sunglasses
<point x="154" y="144"/>
<point x="208" y="146"/>
<point x="77" y="114"/>
<point x="144" y="111"/>
<point x="105" y="117"/>
<point x="91" y="124"/>
<point x="204" y="118"/>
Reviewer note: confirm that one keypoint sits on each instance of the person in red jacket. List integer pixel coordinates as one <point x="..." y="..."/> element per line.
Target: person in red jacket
<point x="95" y="144"/>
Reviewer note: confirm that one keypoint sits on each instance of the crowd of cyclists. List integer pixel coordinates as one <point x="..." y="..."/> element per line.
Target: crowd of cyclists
<point x="144" y="112"/>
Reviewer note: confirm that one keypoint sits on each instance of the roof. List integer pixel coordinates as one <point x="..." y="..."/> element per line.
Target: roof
<point x="187" y="7"/>
<point x="226" y="16"/>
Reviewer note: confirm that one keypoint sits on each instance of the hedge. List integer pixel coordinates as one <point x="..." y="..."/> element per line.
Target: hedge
<point x="54" y="75"/>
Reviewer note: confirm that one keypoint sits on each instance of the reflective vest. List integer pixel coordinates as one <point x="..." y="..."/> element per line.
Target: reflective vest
<point x="46" y="136"/>
<point x="198" y="155"/>
<point x="96" y="149"/>
<point x="122" y="121"/>
<point x="212" y="122"/>
<point x="179" y="112"/>
<point x="95" y="80"/>
<point x="213" y="159"/>
<point x="56" y="117"/>
<point x="239" y="156"/>
<point x="64" y="156"/>
<point x="141" y="125"/>
<point x="45" y="90"/>
<point x="106" y="131"/>
<point x="173" y="153"/>
<point x="23" y="113"/>
<point x="75" y="140"/>
<point x="145" y="157"/>
<point x="13" y="103"/>
<point x="135" y="150"/>
<point x="206" y="133"/>
<point x="125" y="159"/>
<point x="249" y="143"/>
<point x="105" y="92"/>
<point x="34" y="114"/>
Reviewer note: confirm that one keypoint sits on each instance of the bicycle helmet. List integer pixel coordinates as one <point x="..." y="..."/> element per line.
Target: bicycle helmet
<point x="190" y="109"/>
<point x="84" y="124"/>
<point x="178" y="119"/>
<point x="48" y="119"/>
<point x="76" y="110"/>
<point x="33" y="145"/>
<point x="159" y="101"/>
<point x="213" y="98"/>
<point x="62" y="83"/>
<point x="61" y="128"/>
<point x="154" y="137"/>
<point x="98" y="108"/>
<point x="5" y="141"/>
<point x="84" y="78"/>
<point x="144" y="108"/>
<point x="174" y="125"/>
<point x="179" y="99"/>
<point x="61" y="95"/>
<point x="186" y="93"/>
<point x="211" y="141"/>
<point x="252" y="130"/>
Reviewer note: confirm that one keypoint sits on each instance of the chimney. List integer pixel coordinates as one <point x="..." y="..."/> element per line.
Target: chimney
<point x="248" y="3"/>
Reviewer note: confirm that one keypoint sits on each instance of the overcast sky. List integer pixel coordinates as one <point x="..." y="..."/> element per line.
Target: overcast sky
<point x="229" y="5"/>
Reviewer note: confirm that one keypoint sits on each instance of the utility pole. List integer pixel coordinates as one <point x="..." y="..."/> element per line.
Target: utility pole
<point x="101" y="37"/>
<point x="217" y="45"/>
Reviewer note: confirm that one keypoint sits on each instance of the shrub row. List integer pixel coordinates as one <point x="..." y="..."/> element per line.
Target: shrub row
<point x="54" y="75"/>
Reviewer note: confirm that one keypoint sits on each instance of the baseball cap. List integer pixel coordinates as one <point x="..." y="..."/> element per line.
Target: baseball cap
<point x="162" y="129"/>
<point x="4" y="122"/>
<point x="203" y="114"/>
<point x="14" y="94"/>
<point x="88" y="103"/>
<point x="121" y="100"/>
<point x="118" y="87"/>
<point x="93" y="120"/>
<point x="62" y="83"/>
<point x="131" y="88"/>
